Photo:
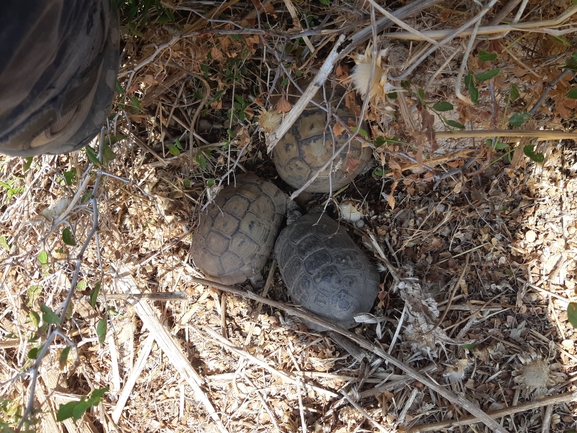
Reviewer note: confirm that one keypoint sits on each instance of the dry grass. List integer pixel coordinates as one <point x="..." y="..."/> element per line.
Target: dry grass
<point x="477" y="245"/>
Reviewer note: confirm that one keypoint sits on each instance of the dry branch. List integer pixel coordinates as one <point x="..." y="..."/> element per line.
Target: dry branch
<point x="556" y="399"/>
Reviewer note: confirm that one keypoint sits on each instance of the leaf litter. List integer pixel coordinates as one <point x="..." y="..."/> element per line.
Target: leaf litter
<point x="476" y="241"/>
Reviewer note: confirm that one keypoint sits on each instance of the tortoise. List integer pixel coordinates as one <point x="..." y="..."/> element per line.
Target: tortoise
<point x="310" y="143"/>
<point x="236" y="234"/>
<point x="324" y="270"/>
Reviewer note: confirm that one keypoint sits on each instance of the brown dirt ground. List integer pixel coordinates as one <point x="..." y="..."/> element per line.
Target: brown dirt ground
<point x="480" y="242"/>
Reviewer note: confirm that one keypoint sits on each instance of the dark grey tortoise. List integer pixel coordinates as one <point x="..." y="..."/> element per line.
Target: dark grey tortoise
<point x="324" y="270"/>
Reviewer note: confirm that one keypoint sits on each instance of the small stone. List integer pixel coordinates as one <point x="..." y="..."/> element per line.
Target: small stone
<point x="530" y="236"/>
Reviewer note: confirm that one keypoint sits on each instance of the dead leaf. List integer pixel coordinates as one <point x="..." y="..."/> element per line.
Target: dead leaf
<point x="283" y="106"/>
<point x="352" y="164"/>
<point x="338" y="129"/>
<point x="428" y="121"/>
<point x="419" y="158"/>
<point x="342" y="71"/>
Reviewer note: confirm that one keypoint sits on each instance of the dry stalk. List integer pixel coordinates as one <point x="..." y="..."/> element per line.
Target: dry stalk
<point x="555" y="399"/>
<point x="165" y="341"/>
<point x="532" y="26"/>
<point x="539" y="135"/>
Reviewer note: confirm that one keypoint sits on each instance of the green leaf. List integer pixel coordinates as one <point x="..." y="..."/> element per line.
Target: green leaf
<point x="210" y="182"/>
<point x="94" y="294"/>
<point x="4" y="243"/>
<point x="76" y="409"/>
<point x="392" y="95"/>
<point x="91" y="155"/>
<point x="379" y="141"/>
<point x="518" y="119"/>
<point x="34" y="318"/>
<point x="107" y="153"/>
<point x="572" y="93"/>
<point x="43" y="258"/>
<point x="67" y="410"/>
<point x="499" y="145"/>
<point x="443" y="106"/>
<point x="473" y="91"/>
<point x="136" y="103"/>
<point x="173" y="149"/>
<point x="572" y="313"/>
<point x="32" y="294"/>
<point x="68" y="237"/>
<point x="118" y="88"/>
<point x="455" y="124"/>
<point x="33" y="353"/>
<point x="325" y="2"/>
<point x="514" y="92"/>
<point x="361" y="132"/>
<point x="484" y="76"/>
<point x="530" y="152"/>
<point x="201" y="160"/>
<point x="101" y="328"/>
<point x="571" y="62"/>
<point x="28" y="163"/>
<point x="63" y="357"/>
<point x="49" y="316"/>
<point x="421" y="96"/>
<point x="70" y="176"/>
<point x="378" y="173"/>
<point x="81" y="286"/>
<point x="487" y="57"/>
<point x="470" y="346"/>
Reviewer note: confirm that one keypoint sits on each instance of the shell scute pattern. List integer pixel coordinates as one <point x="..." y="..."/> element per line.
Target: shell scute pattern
<point x="324" y="271"/>
<point x="309" y="144"/>
<point x="236" y="233"/>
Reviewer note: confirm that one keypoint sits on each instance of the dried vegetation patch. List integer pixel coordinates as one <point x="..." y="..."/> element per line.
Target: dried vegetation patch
<point x="469" y="208"/>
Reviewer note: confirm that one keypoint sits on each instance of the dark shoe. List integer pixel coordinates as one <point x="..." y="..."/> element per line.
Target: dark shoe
<point x="58" y="67"/>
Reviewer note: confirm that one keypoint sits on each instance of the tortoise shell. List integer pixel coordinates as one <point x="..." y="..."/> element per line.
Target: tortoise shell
<point x="236" y="234"/>
<point x="324" y="270"/>
<point x="310" y="143"/>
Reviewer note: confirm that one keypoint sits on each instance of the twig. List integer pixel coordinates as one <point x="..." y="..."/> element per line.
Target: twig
<point x="539" y="135"/>
<point x="531" y="26"/>
<point x="145" y="350"/>
<point x="455" y="399"/>
<point x="452" y="295"/>
<point x="550" y="86"/>
<point x="450" y="37"/>
<point x="545" y="291"/>
<point x="34" y="370"/>
<point x="306" y="97"/>
<point x="555" y="399"/>
<point x="364" y="413"/>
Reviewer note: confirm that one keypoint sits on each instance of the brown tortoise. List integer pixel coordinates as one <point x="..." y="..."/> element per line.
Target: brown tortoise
<point x="310" y="143"/>
<point x="236" y="234"/>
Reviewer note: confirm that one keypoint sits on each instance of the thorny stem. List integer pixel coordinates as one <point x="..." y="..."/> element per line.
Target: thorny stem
<point x="54" y="331"/>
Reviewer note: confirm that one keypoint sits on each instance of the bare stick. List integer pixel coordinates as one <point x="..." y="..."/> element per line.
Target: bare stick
<point x="555" y="399"/>
<point x="306" y="315"/>
<point x="531" y="26"/>
<point x="539" y="135"/>
<point x="306" y="97"/>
